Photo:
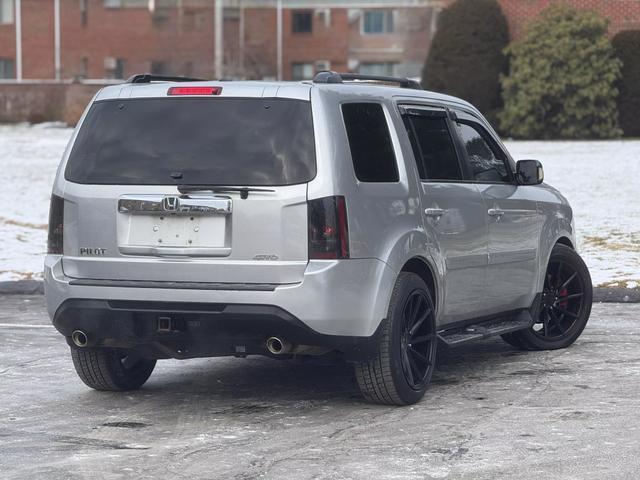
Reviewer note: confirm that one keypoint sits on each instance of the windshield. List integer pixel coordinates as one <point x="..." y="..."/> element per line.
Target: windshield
<point x="182" y="141"/>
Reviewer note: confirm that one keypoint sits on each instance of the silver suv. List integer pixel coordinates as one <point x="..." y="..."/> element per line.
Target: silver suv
<point x="355" y="217"/>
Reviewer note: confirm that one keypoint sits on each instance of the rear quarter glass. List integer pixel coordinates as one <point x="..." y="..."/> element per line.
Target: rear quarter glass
<point x="186" y="140"/>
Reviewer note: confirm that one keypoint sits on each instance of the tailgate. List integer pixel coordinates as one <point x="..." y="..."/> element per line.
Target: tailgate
<point x="125" y="215"/>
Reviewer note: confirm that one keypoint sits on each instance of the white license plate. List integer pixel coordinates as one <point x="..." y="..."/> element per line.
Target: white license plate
<point x="175" y="231"/>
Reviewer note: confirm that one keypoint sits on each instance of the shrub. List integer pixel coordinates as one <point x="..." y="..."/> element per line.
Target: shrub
<point x="562" y="77"/>
<point x="466" y="57"/>
<point x="627" y="47"/>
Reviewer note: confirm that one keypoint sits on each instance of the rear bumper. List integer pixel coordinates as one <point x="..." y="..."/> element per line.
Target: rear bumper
<point x="188" y="330"/>
<point x="346" y="298"/>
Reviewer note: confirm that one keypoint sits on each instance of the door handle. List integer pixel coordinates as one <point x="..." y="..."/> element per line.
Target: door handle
<point x="434" y="212"/>
<point x="495" y="212"/>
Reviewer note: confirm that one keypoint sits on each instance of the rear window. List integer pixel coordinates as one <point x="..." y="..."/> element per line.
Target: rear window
<point x="212" y="141"/>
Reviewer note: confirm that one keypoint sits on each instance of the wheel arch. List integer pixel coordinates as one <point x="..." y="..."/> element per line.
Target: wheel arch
<point x="421" y="267"/>
<point x="565" y="241"/>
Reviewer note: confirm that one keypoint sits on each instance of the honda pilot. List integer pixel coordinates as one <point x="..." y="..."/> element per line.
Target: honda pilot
<point x="354" y="217"/>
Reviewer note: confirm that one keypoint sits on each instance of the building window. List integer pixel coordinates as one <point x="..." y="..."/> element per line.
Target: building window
<point x="84" y="67"/>
<point x="118" y="72"/>
<point x="6" y="68"/>
<point x="6" y="11"/>
<point x="302" y="22"/>
<point x="158" y="68"/>
<point x="377" y="21"/>
<point x="302" y="71"/>
<point x="194" y="20"/>
<point x="83" y="13"/>
<point x="126" y="3"/>
<point x="380" y="68"/>
<point x="114" y="67"/>
<point x="160" y="18"/>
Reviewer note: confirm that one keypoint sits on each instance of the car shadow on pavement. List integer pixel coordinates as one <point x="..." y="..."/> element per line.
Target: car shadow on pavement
<point x="260" y="380"/>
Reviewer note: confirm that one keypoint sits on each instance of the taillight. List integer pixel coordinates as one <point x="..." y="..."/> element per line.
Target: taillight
<point x="56" y="225"/>
<point x="328" y="228"/>
<point x="194" y="91"/>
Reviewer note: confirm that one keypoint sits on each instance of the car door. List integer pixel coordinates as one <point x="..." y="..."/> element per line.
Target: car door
<point x="454" y="214"/>
<point x="514" y="223"/>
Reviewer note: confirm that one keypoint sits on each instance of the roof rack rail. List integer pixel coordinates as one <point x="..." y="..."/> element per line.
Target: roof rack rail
<point x="149" y="77"/>
<point x="334" y="77"/>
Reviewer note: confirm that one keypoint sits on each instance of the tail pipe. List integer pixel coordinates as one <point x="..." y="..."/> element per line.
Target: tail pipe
<point x="79" y="338"/>
<point x="278" y="346"/>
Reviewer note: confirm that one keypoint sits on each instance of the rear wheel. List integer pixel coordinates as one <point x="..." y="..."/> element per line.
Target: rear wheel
<point x="111" y="370"/>
<point x="404" y="364"/>
<point x="565" y="306"/>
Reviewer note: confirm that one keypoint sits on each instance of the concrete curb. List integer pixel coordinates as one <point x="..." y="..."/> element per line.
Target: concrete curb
<point x="22" y="287"/>
<point x="600" y="294"/>
<point x="616" y="295"/>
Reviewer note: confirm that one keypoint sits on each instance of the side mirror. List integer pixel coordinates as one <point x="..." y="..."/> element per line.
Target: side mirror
<point x="529" y="172"/>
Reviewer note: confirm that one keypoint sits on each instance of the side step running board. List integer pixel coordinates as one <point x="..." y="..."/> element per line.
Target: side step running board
<point x="456" y="336"/>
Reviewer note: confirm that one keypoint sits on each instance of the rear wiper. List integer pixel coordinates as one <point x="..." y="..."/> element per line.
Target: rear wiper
<point x="244" y="191"/>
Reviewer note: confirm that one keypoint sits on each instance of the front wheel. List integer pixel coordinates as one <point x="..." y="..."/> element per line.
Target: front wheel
<point x="402" y="368"/>
<point x="565" y="306"/>
<point x="110" y="369"/>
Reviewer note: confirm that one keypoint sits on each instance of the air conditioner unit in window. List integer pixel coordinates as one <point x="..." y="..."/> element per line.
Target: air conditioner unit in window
<point x="354" y="14"/>
<point x="109" y="63"/>
<point x="324" y="14"/>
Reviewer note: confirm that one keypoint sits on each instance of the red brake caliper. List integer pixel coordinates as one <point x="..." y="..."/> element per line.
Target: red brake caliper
<point x="563" y="293"/>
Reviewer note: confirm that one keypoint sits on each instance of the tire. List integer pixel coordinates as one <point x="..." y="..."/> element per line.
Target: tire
<point x="111" y="370"/>
<point x="514" y="340"/>
<point x="565" y="306"/>
<point x="390" y="378"/>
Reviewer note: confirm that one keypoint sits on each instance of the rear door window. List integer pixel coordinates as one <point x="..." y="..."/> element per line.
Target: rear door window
<point x="370" y="142"/>
<point x="433" y="146"/>
<point x="212" y="141"/>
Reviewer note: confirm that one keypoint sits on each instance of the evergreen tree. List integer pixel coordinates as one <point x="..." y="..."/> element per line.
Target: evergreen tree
<point x="466" y="57"/>
<point x="562" y="78"/>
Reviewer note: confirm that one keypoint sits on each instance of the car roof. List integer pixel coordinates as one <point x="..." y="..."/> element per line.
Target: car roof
<point x="295" y="90"/>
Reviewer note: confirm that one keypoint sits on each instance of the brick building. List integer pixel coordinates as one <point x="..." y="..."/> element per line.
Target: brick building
<point x="258" y="38"/>
<point x="289" y="39"/>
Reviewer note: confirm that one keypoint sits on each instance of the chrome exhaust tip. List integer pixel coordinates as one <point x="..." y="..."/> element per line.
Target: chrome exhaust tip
<point x="79" y="338"/>
<point x="278" y="346"/>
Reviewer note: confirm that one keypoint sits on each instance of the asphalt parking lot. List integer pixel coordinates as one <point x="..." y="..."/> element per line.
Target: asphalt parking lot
<point x="492" y="412"/>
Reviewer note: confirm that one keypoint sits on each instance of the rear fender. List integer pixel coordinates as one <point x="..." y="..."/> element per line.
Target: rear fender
<point x="418" y="244"/>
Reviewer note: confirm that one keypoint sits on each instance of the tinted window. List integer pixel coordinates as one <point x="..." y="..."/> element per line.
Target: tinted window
<point x="487" y="163"/>
<point x="433" y="147"/>
<point x="370" y="142"/>
<point x="212" y="141"/>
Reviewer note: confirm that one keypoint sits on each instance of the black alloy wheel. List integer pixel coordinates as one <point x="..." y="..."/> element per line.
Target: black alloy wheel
<point x="565" y="305"/>
<point x="416" y="341"/>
